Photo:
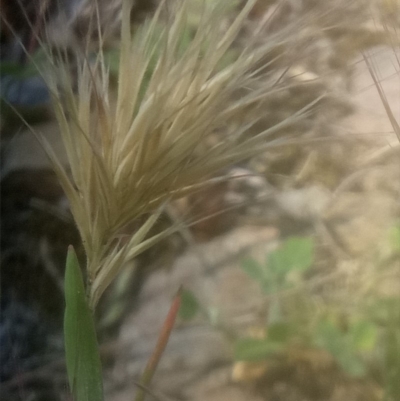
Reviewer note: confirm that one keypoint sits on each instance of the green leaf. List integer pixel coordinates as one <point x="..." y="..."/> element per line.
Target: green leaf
<point x="254" y="269"/>
<point x="364" y="335"/>
<point x="295" y="254"/>
<point x="394" y="238"/>
<point x="25" y="70"/>
<point x="392" y="362"/>
<point x="333" y="340"/>
<point x="352" y="364"/>
<point x="275" y="314"/>
<point x="329" y="337"/>
<point x="112" y="60"/>
<point x="250" y="349"/>
<point x="189" y="305"/>
<point x="271" y="286"/>
<point x="81" y="349"/>
<point x="11" y="68"/>
<point x="279" y="332"/>
<point x="380" y="310"/>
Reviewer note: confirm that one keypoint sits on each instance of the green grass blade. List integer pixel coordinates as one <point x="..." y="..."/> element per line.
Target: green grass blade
<point x="81" y="349"/>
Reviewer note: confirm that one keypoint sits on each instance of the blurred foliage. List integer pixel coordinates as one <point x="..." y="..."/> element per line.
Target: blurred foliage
<point x="23" y="89"/>
<point x="394" y="238"/>
<point x="283" y="267"/>
<point x="369" y="337"/>
<point x="189" y="305"/>
<point x="359" y="343"/>
<point x="347" y="345"/>
<point x="35" y="63"/>
<point x="386" y="313"/>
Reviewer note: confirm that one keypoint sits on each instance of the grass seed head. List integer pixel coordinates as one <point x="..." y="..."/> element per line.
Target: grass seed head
<point x="133" y="149"/>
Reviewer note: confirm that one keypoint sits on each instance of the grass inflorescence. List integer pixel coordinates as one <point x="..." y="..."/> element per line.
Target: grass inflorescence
<point x="132" y="149"/>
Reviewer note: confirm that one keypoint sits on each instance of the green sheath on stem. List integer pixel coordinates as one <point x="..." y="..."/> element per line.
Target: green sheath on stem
<point x="81" y="348"/>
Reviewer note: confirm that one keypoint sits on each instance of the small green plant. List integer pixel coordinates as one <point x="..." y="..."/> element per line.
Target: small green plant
<point x="363" y="342"/>
<point x="284" y="268"/>
<point x="347" y="345"/>
<point x="352" y="341"/>
<point x="385" y="312"/>
<point x="394" y="239"/>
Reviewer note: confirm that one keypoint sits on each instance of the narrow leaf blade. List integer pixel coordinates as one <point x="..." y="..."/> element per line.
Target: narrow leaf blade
<point x="81" y="349"/>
